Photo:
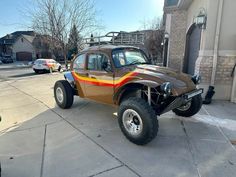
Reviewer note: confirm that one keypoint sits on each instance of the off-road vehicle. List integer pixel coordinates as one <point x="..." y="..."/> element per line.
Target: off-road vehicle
<point x="122" y="76"/>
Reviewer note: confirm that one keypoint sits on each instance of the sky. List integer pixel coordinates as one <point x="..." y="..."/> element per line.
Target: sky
<point x="115" y="15"/>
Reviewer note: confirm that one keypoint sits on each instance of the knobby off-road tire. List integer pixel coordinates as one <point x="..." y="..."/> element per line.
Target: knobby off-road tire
<point x="137" y="121"/>
<point x="190" y="108"/>
<point x="64" y="94"/>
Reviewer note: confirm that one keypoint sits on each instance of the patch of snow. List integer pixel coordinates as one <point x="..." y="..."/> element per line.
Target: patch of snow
<point x="211" y="120"/>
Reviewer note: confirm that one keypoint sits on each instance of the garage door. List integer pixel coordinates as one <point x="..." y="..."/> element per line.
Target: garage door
<point x="24" y="56"/>
<point x="193" y="47"/>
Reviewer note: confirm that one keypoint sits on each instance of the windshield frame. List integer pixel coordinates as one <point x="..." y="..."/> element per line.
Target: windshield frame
<point x="123" y="50"/>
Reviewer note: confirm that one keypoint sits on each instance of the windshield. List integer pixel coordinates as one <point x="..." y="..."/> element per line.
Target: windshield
<point x="128" y="57"/>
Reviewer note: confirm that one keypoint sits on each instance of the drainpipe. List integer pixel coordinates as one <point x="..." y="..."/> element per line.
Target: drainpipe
<point x="211" y="88"/>
<point x="216" y="44"/>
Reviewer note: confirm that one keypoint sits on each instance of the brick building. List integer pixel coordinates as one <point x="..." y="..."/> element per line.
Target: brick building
<point x="200" y="37"/>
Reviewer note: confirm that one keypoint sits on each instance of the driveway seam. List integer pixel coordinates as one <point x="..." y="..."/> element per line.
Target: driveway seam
<point x="110" y="169"/>
<point x="30" y="128"/>
<point x="190" y="148"/>
<point x="220" y="129"/>
<point x="43" y="153"/>
<point x="122" y="163"/>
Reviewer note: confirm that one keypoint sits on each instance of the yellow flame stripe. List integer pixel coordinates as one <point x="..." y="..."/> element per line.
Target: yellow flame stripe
<point x="116" y="81"/>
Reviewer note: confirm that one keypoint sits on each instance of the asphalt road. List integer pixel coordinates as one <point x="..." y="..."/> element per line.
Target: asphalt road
<point x="39" y="139"/>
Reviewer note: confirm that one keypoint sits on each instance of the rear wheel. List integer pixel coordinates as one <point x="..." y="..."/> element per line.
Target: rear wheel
<point x="137" y="121"/>
<point x="36" y="71"/>
<point x="64" y="94"/>
<point x="191" y="108"/>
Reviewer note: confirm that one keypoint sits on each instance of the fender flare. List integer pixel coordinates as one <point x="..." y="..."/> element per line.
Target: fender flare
<point x="69" y="77"/>
<point x="117" y="96"/>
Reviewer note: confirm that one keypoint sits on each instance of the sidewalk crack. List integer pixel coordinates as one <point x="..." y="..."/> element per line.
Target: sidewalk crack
<point x="190" y="148"/>
<point x="43" y="153"/>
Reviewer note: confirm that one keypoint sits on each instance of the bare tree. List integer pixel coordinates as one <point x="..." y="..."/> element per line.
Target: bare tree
<point x="153" y="38"/>
<point x="56" y="18"/>
<point x="153" y="24"/>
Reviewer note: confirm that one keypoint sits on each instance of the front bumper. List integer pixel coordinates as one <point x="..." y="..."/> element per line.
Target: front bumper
<point x="181" y="100"/>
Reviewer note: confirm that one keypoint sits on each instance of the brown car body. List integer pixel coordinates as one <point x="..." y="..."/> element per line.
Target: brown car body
<point x="121" y="76"/>
<point x="110" y="86"/>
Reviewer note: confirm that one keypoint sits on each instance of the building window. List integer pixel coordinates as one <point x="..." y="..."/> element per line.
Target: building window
<point x="171" y="2"/>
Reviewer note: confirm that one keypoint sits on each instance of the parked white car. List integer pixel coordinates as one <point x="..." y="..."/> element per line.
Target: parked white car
<point x="46" y="65"/>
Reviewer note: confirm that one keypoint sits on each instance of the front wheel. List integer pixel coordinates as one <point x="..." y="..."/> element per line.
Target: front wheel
<point x="64" y="94"/>
<point x="137" y="121"/>
<point x="190" y="108"/>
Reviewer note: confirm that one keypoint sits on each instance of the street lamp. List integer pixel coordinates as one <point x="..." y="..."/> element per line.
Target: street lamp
<point x="201" y="19"/>
<point x="166" y="35"/>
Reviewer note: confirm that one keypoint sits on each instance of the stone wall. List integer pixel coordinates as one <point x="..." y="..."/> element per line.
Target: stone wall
<point x="224" y="68"/>
<point x="177" y="39"/>
<point x="223" y="79"/>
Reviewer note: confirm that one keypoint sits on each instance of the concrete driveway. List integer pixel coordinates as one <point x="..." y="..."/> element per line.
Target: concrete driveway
<point x="38" y="139"/>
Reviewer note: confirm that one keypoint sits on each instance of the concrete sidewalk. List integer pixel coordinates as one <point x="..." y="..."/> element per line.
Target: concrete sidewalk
<point x="38" y="139"/>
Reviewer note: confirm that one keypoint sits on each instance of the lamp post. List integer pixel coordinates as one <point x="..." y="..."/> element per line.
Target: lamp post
<point x="201" y="20"/>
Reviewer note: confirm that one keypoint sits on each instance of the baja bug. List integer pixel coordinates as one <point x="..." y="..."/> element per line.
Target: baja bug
<point x="122" y="76"/>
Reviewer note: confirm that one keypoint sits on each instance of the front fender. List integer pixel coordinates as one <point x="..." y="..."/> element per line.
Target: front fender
<point x="148" y="83"/>
<point x="133" y="85"/>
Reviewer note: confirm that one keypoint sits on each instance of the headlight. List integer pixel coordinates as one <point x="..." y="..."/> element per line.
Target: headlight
<point x="196" y="79"/>
<point x="166" y="88"/>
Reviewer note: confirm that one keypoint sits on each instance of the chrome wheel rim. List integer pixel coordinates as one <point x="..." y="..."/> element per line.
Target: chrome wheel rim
<point x="132" y="122"/>
<point x="59" y="94"/>
<point x="185" y="107"/>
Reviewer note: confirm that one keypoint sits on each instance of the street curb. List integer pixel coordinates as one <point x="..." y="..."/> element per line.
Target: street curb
<point x="12" y="68"/>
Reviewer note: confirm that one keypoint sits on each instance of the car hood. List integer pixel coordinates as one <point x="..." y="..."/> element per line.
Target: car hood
<point x="180" y="82"/>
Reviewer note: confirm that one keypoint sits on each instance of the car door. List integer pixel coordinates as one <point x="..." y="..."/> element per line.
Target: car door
<point x="79" y="73"/>
<point x="100" y="83"/>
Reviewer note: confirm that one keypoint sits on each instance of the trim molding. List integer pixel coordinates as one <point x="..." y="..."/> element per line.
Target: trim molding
<point x="221" y="53"/>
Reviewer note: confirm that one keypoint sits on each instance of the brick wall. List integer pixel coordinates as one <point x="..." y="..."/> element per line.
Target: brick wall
<point x="177" y="39"/>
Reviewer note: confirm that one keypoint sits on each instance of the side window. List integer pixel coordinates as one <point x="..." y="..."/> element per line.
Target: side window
<point x="119" y="59"/>
<point x="79" y="62"/>
<point x="95" y="62"/>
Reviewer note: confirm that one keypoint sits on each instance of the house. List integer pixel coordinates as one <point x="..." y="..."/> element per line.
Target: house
<point x="25" y="46"/>
<point x="148" y="40"/>
<point x="200" y="38"/>
<point x="7" y="42"/>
